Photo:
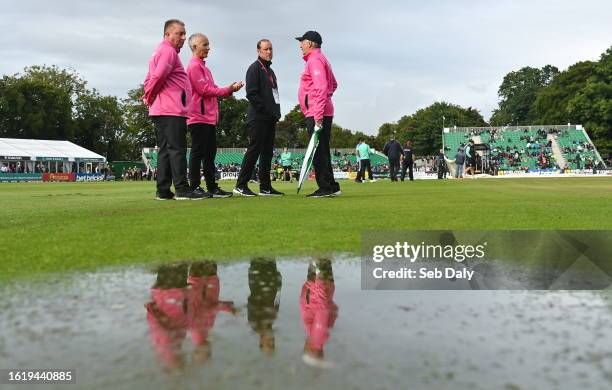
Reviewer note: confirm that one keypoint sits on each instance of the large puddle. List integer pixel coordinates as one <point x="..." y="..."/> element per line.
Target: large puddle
<point x="297" y="324"/>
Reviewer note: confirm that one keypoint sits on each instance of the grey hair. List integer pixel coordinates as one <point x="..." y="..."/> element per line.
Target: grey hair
<point x="193" y="38"/>
<point x="314" y="44"/>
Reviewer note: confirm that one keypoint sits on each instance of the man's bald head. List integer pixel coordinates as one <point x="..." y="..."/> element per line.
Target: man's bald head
<point x="199" y="45"/>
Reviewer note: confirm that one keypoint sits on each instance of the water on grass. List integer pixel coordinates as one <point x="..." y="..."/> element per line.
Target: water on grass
<point x="297" y="324"/>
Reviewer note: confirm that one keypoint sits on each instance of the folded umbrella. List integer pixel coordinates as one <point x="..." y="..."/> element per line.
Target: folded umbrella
<point x="308" y="156"/>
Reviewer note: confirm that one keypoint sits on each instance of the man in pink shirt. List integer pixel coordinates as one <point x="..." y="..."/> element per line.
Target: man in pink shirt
<point x="167" y="92"/>
<point x="167" y="313"/>
<point x="317" y="85"/>
<point x="318" y="310"/>
<point x="204" y="116"/>
<point x="203" y="305"/>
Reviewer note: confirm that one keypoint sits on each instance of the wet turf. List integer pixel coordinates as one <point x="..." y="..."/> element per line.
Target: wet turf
<point x="50" y="227"/>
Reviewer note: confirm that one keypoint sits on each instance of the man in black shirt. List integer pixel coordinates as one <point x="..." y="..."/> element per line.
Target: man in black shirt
<point x="407" y="161"/>
<point x="441" y="164"/>
<point x="393" y="151"/>
<point x="470" y="158"/>
<point x="262" y="116"/>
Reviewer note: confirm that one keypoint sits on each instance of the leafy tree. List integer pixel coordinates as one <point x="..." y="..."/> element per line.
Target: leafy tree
<point x="232" y="130"/>
<point x="518" y="92"/>
<point x="289" y="128"/>
<point x="139" y="130"/>
<point x="424" y="127"/>
<point x="39" y="103"/>
<point x="100" y="124"/>
<point x="581" y="94"/>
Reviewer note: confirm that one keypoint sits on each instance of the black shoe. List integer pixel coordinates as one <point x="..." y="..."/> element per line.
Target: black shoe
<point x="336" y="189"/>
<point x="270" y="192"/>
<point x="200" y="190"/>
<point x="244" y="191"/>
<point x="191" y="195"/>
<point x="168" y="196"/>
<point x="219" y="193"/>
<point x="358" y="181"/>
<point x="320" y="194"/>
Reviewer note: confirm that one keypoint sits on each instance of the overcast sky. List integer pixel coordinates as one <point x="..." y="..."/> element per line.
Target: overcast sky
<point x="390" y="57"/>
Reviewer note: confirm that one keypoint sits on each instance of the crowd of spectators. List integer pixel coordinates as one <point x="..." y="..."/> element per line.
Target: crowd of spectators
<point x="138" y="174"/>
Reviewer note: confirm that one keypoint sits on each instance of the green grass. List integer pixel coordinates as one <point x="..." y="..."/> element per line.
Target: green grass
<point x="49" y="227"/>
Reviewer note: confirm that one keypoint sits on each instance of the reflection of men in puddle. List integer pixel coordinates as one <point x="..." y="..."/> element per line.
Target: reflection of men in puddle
<point x="203" y="306"/>
<point x="167" y="313"/>
<point x="319" y="312"/>
<point x="265" y="284"/>
<point x="184" y="298"/>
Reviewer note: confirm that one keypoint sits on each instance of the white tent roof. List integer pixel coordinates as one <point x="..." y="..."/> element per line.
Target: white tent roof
<point x="40" y="149"/>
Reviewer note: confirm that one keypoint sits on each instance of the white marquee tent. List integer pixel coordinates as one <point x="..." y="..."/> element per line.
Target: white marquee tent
<point x="34" y="155"/>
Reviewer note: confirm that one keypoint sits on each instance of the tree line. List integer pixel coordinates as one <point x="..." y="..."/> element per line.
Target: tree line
<point x="46" y="102"/>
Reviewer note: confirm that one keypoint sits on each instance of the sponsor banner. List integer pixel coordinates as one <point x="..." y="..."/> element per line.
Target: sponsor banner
<point x="17" y="177"/>
<point x="532" y="174"/>
<point x="84" y="177"/>
<point x="15" y="158"/>
<point x="229" y="176"/>
<point x="52" y="159"/>
<point x="341" y="175"/>
<point x="59" y="177"/>
<point x="376" y="175"/>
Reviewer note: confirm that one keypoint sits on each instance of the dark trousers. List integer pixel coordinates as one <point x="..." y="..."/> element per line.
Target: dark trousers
<point x="364" y="164"/>
<point x="406" y="165"/>
<point x="203" y="152"/>
<point x="172" y="157"/>
<point x="261" y="144"/>
<point x="394" y="165"/>
<point x="321" y="161"/>
<point x="441" y="172"/>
